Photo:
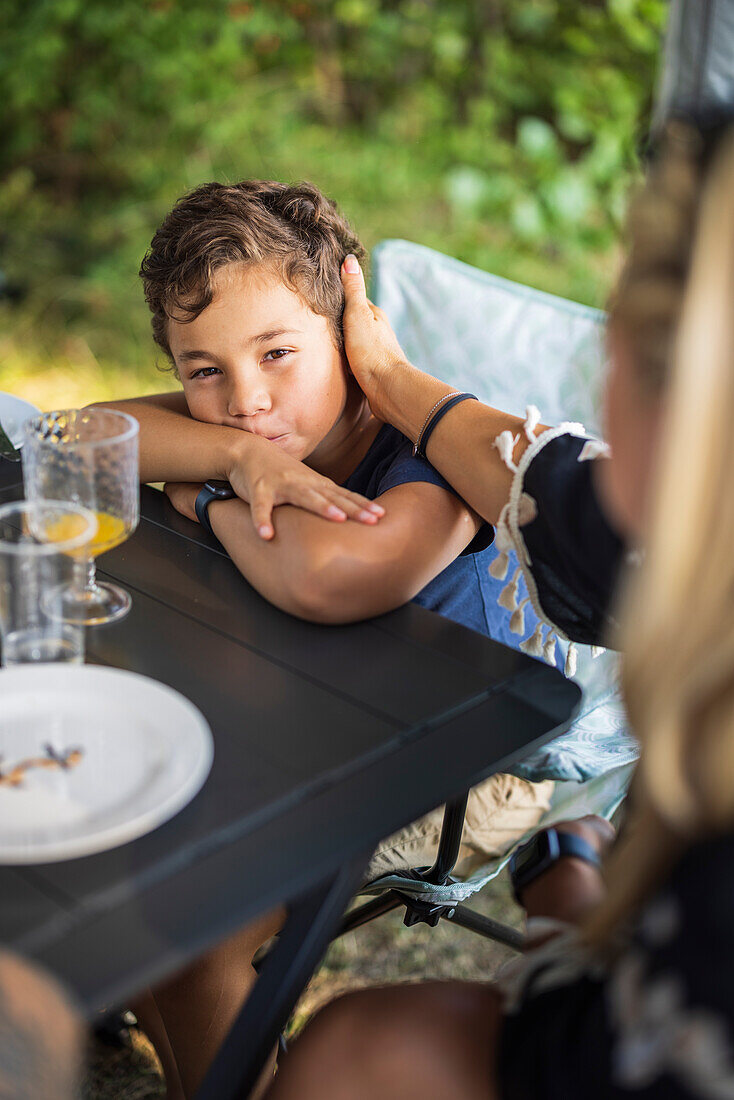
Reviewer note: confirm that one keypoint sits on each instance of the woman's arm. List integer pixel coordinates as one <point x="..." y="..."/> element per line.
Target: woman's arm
<point x="176" y="448"/>
<point x="462" y="445"/>
<point x="341" y="574"/>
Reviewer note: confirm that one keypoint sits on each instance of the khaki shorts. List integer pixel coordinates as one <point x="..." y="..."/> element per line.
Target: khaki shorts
<point x="498" y="812"/>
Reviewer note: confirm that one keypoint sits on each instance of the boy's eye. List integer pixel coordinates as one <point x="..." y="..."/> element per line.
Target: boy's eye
<point x="276" y="353"/>
<point x="205" y="372"/>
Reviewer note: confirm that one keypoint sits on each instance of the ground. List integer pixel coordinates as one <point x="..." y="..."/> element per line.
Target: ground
<point x="383" y="951"/>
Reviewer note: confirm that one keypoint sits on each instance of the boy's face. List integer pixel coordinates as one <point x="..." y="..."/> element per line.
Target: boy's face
<point x="259" y="359"/>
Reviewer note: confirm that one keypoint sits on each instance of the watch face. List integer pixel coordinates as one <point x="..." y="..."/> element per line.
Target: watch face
<point x="525" y="857"/>
<point x="532" y="859"/>
<point x="220" y="488"/>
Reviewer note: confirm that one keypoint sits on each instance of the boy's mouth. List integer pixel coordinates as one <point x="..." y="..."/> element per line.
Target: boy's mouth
<point x="276" y="437"/>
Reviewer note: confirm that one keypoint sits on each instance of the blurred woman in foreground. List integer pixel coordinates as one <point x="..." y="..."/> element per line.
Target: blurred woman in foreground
<point x="629" y="989"/>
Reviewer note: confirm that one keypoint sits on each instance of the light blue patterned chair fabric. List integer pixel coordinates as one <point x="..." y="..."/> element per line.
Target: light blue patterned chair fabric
<point x="513" y="346"/>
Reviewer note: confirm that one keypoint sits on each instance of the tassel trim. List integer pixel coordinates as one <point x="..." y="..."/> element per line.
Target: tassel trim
<point x="595" y="448"/>
<point x="498" y="568"/>
<point x="508" y="596"/>
<point x="517" y="621"/>
<point x="505" y="444"/>
<point x="533" y="645"/>
<point x="532" y="419"/>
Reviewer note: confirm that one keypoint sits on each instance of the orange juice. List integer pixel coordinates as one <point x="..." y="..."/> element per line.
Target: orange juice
<point x="111" y="531"/>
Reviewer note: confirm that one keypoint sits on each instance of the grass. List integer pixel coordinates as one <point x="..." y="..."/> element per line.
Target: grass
<point x="69" y="374"/>
<point x="382" y="952"/>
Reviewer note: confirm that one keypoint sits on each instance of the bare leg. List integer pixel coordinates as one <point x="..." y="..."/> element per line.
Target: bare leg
<point x="149" y="1018"/>
<point x="187" y="1017"/>
<point x="435" y="1040"/>
<point x="40" y="1036"/>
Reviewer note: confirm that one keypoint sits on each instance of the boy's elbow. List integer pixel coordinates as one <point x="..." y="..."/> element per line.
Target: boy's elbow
<point x="335" y="594"/>
<point x="311" y="597"/>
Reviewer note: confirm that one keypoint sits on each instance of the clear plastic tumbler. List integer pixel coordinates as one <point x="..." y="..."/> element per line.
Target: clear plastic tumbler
<point x="41" y="544"/>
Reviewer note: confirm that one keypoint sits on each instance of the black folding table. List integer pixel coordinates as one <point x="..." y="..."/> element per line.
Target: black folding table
<point x="326" y="740"/>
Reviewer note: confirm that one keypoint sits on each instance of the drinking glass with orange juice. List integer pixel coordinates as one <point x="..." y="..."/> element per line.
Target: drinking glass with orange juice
<point x="89" y="457"/>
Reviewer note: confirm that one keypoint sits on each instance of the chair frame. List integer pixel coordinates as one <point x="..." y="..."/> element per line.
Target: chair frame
<point x="423" y="912"/>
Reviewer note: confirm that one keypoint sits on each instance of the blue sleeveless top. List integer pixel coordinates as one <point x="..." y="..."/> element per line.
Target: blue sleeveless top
<point x="464" y="591"/>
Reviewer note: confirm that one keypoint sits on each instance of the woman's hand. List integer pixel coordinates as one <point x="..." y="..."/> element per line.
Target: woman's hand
<point x="371" y="346"/>
<point x="264" y="476"/>
<point x="571" y="887"/>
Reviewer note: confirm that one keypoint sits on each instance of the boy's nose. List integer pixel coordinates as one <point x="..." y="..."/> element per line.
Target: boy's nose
<point x="248" y="400"/>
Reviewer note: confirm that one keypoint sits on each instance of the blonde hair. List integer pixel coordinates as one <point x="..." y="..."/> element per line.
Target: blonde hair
<point x="678" y="612"/>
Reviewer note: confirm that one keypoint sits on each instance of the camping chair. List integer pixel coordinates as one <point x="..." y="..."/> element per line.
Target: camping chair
<point x="511" y="346"/>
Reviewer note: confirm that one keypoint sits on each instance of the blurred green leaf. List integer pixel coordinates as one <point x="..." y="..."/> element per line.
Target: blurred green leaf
<point x="466" y="189"/>
<point x="569" y="197"/>
<point x="537" y="138"/>
<point x="528" y="219"/>
<point x="501" y="131"/>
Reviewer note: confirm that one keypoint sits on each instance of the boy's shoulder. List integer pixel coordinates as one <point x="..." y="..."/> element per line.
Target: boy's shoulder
<point x="390" y="462"/>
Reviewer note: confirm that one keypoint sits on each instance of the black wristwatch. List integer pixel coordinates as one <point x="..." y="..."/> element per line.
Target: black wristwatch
<point x="211" y="490"/>
<point x="542" y="851"/>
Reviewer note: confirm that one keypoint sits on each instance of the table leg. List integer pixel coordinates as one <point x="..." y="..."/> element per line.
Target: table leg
<point x="312" y="920"/>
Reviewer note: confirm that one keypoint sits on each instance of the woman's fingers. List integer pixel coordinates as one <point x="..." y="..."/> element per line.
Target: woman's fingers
<point x="353" y="281"/>
<point x="372" y="348"/>
<point x="359" y="313"/>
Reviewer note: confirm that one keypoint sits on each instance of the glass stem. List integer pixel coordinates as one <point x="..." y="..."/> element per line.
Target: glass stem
<point x="84" y="576"/>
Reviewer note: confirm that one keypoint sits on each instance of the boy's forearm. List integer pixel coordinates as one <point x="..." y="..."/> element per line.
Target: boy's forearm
<point x="275" y="568"/>
<point x="174" y="447"/>
<point x="333" y="575"/>
<point x="310" y="569"/>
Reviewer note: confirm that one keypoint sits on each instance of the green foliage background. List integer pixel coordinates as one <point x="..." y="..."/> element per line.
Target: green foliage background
<point x="503" y="132"/>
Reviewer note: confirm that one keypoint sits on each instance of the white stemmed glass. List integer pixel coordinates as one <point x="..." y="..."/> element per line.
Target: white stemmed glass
<point x="89" y="457"/>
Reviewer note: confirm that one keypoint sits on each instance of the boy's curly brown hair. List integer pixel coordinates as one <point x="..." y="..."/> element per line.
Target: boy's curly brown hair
<point x="296" y="228"/>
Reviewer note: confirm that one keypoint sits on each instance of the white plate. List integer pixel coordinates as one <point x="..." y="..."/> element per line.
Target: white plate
<point x="146" y="753"/>
<point x="14" y="411"/>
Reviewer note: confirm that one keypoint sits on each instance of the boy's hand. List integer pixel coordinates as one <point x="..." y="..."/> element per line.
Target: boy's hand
<point x="182" y="495"/>
<point x="264" y="476"/>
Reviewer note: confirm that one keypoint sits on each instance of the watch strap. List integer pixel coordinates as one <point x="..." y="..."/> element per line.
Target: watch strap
<point x="569" y="844"/>
<point x="201" y="506"/>
<point x="547" y="846"/>
<point x="204" y="498"/>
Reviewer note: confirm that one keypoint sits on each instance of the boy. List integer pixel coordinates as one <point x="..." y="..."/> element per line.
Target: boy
<point x="244" y="286"/>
